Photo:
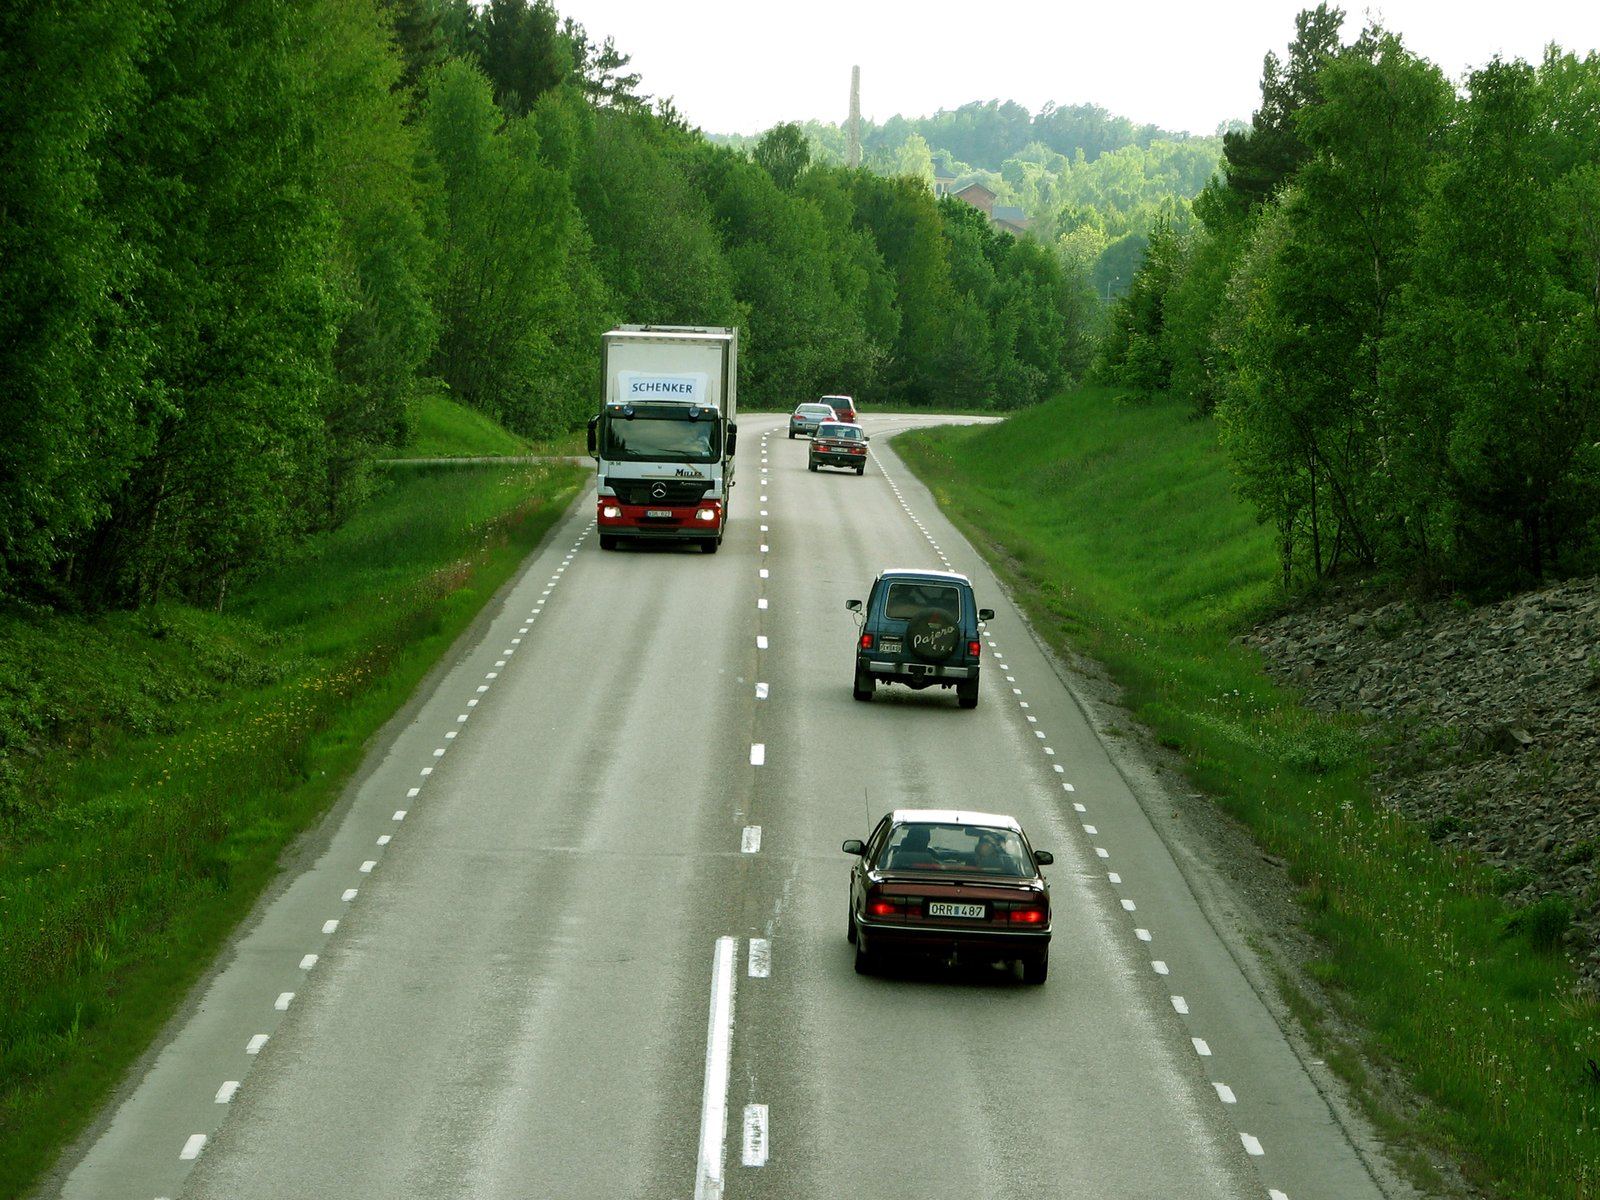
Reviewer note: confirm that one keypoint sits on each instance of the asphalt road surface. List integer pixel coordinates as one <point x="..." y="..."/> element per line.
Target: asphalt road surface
<point x="579" y="929"/>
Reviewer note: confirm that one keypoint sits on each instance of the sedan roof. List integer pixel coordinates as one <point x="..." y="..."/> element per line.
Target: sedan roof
<point x="952" y="816"/>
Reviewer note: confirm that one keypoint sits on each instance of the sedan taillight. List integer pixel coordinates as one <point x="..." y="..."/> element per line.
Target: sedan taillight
<point x="1029" y="916"/>
<point x="883" y="908"/>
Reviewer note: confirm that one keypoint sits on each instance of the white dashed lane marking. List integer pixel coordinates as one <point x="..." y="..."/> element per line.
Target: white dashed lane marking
<point x="253" y="1046"/>
<point x="283" y="1001"/>
<point x="1180" y="1006"/>
<point x="1200" y="1047"/>
<point x="1159" y="967"/>
<point x="760" y="958"/>
<point x="750" y="842"/>
<point x="192" y="1147"/>
<point x="1252" y="1146"/>
<point x="755" y="1135"/>
<point x="226" y="1091"/>
<point x="758" y="753"/>
<point x="1225" y="1093"/>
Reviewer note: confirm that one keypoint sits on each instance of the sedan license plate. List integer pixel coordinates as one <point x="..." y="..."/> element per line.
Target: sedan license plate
<point x="658" y="512"/>
<point x="944" y="908"/>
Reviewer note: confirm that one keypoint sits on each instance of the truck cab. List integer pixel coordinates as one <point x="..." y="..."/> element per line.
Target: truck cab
<point x="664" y="438"/>
<point x="921" y="629"/>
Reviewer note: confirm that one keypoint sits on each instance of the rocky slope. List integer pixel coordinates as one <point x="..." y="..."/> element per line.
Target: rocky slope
<point x="1489" y="719"/>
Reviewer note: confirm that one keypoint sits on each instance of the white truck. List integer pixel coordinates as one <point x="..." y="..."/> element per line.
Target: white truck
<point x="664" y="438"/>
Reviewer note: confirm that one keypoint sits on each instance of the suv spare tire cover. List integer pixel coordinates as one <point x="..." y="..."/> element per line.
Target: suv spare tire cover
<point x="932" y="635"/>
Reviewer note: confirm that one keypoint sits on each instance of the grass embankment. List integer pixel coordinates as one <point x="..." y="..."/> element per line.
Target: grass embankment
<point x="156" y="763"/>
<point x="1117" y="527"/>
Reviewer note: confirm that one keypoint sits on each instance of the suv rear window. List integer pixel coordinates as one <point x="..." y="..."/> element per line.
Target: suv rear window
<point x="906" y="600"/>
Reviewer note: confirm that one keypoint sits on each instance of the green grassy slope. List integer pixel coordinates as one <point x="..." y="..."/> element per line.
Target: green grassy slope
<point x="154" y="764"/>
<point x="442" y="428"/>
<point x="1117" y="527"/>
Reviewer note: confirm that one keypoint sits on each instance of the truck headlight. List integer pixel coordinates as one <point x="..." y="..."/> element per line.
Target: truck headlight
<point x="706" y="514"/>
<point x="610" y="511"/>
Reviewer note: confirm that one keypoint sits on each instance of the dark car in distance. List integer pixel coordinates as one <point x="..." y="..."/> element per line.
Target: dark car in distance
<point x="843" y="406"/>
<point x="839" y="445"/>
<point x="919" y="628"/>
<point x="951" y="885"/>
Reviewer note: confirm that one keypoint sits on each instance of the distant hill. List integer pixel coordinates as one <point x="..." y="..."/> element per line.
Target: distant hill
<point x="1090" y="182"/>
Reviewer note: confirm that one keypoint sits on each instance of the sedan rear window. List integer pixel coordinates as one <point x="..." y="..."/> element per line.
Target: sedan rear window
<point x="965" y="848"/>
<point x="844" y="432"/>
<point x="814" y="410"/>
<point x="908" y="601"/>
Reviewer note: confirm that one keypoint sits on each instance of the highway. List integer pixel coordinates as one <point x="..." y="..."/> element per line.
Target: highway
<point x="578" y="929"/>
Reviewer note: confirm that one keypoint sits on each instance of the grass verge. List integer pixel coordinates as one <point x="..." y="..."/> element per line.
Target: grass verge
<point x="153" y="766"/>
<point x="1116" y="526"/>
<point x="442" y="428"/>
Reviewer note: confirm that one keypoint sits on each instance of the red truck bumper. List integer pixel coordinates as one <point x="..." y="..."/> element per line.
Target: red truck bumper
<point x="663" y="521"/>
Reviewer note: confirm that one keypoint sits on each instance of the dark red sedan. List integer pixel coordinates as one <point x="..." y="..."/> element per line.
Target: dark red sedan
<point x="953" y="885"/>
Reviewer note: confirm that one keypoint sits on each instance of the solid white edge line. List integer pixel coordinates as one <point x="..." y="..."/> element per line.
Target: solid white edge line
<point x="755" y="1135"/>
<point x="719" y="1047"/>
<point x="192" y="1147"/>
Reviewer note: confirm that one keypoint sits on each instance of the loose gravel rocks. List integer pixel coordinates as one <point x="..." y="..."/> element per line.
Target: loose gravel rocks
<point x="1488" y="721"/>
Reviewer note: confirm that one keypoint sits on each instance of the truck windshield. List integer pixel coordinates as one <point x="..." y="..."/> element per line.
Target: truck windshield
<point x="658" y="433"/>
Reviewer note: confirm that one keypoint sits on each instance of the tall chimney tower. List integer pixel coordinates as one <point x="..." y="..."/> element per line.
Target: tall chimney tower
<point x="852" y="154"/>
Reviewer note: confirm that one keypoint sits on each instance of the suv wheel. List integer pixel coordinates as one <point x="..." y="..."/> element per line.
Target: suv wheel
<point x="967" y="694"/>
<point x="864" y="686"/>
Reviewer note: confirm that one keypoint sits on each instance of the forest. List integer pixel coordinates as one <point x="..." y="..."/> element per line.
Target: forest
<point x="236" y="252"/>
<point x="1389" y="300"/>
<point x="1092" y="185"/>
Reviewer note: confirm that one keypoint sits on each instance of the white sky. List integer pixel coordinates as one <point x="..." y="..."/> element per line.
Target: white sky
<point x="740" y="66"/>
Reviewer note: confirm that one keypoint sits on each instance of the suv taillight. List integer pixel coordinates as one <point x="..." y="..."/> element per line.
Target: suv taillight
<point x="974" y="649"/>
<point x="866" y="641"/>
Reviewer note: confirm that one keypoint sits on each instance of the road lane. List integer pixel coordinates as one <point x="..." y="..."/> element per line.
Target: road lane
<point x="655" y="759"/>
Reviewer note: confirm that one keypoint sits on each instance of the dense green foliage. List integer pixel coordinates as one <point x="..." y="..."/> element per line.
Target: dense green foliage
<point x="236" y="252"/>
<point x="1115" y="525"/>
<point x="1091" y="185"/>
<point x="1389" y="302"/>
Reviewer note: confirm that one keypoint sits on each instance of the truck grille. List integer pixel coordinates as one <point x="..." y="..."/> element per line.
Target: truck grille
<point x="658" y="491"/>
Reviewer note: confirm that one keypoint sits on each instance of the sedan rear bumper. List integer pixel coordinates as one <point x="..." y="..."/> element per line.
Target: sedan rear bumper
<point x="944" y="940"/>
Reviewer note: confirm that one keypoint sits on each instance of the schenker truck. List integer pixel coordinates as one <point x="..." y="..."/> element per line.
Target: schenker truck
<point x="665" y="434"/>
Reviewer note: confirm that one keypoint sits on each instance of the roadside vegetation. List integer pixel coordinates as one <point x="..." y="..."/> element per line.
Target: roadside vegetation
<point x="1115" y="521"/>
<point x="158" y="761"/>
<point x="441" y="428"/>
<point x="1389" y="303"/>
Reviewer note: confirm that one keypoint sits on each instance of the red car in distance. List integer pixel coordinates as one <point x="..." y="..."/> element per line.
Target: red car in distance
<point x="843" y="407"/>
<point x="953" y="885"/>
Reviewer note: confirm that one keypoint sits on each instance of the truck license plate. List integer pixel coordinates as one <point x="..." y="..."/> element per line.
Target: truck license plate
<point x="941" y="908"/>
<point x="658" y="512"/>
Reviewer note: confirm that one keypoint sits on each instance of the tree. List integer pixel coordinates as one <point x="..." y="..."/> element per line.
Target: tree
<point x="784" y="153"/>
<point x="1257" y="164"/>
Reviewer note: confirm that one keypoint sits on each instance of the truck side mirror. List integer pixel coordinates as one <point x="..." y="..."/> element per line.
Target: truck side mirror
<point x="853" y="605"/>
<point x="733" y="438"/>
<point x="986" y="614"/>
<point x="593" y="422"/>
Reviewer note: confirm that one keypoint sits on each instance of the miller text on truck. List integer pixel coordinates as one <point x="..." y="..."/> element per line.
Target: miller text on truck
<point x="665" y="434"/>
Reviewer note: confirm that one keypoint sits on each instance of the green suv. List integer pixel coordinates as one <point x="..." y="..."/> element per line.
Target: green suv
<point x="919" y="628"/>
